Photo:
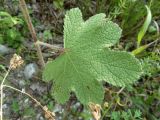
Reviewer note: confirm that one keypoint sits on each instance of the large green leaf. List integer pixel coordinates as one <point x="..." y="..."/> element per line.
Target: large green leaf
<point x="87" y="60"/>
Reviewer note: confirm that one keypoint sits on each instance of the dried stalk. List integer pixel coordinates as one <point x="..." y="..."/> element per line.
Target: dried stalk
<point x="1" y="88"/>
<point x="51" y="115"/>
<point x="53" y="47"/>
<point x="16" y="62"/>
<point x="32" y="30"/>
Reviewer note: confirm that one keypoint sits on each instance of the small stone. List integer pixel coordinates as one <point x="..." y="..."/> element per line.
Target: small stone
<point x="30" y="70"/>
<point x="26" y="100"/>
<point x="38" y="87"/>
<point x="77" y="105"/>
<point x="41" y="118"/>
<point x="57" y="108"/>
<point x="5" y="106"/>
<point x="38" y="116"/>
<point x="6" y="110"/>
<point x="4" y="50"/>
<point x="59" y="118"/>
<point x="21" y="83"/>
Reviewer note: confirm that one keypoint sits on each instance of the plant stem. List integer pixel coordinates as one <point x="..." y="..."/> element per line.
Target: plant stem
<point x="24" y="93"/>
<point x="1" y="88"/>
<point x="106" y="111"/>
<point x="38" y="103"/>
<point x="32" y="30"/>
<point x="48" y="45"/>
<point x="120" y="90"/>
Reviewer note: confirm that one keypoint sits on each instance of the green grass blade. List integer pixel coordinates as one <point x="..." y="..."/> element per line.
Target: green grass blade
<point x="139" y="50"/>
<point x="145" y="26"/>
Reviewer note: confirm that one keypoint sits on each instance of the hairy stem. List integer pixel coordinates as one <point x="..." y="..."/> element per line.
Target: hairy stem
<point x="32" y="30"/>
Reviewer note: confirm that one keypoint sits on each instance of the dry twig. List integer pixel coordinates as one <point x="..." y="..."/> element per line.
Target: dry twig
<point x="32" y="30"/>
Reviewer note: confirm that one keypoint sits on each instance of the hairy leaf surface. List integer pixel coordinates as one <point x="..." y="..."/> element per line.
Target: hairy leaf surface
<point x="87" y="59"/>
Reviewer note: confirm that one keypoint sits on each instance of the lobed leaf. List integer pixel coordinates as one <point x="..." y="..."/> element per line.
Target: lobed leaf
<point x="87" y="60"/>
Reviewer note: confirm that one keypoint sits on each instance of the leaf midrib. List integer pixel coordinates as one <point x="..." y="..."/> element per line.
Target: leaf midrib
<point x="74" y="66"/>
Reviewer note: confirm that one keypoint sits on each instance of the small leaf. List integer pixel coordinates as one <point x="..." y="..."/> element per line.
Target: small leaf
<point x="58" y="4"/>
<point x="145" y="26"/>
<point x="47" y="35"/>
<point x="137" y="114"/>
<point x="15" y="106"/>
<point x="87" y="60"/>
<point x="7" y="20"/>
<point x="142" y="48"/>
<point x="115" y="115"/>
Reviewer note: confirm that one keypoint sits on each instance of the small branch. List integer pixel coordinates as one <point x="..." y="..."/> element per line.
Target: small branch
<point x="32" y="30"/>
<point x="24" y="93"/>
<point x="6" y="75"/>
<point x="38" y="103"/>
<point x="56" y="48"/>
<point x="15" y="62"/>
<point x="120" y="90"/>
